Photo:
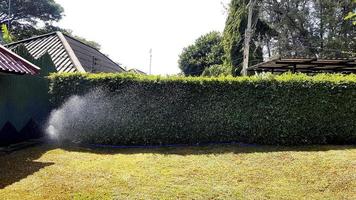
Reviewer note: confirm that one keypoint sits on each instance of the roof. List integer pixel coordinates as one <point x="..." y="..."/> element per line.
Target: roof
<point x="68" y="54"/>
<point x="14" y="64"/>
<point x="307" y="65"/>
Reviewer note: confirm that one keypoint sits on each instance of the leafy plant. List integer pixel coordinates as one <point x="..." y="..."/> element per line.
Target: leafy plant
<point x="352" y="15"/>
<point x="7" y="37"/>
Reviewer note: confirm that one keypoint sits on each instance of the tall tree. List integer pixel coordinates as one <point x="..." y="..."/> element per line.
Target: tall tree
<point x="204" y="53"/>
<point x="310" y="27"/>
<point x="299" y="28"/>
<point x="26" y="14"/>
<point x="234" y="34"/>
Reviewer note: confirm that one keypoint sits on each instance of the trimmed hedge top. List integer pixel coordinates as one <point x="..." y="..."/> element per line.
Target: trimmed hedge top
<point x="287" y="77"/>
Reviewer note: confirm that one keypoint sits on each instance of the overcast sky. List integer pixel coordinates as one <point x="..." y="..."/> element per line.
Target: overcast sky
<point x="127" y="29"/>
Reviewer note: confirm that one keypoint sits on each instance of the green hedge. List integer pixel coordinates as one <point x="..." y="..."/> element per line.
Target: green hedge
<point x="151" y="110"/>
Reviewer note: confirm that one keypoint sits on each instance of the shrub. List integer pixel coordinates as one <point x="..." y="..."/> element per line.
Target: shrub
<point x="150" y="110"/>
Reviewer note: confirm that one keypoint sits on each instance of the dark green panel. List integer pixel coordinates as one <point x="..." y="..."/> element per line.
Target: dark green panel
<point x="25" y="97"/>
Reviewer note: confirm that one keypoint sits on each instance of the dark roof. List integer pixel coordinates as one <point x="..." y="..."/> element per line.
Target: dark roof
<point x="307" y="65"/>
<point x="68" y="54"/>
<point x="14" y="64"/>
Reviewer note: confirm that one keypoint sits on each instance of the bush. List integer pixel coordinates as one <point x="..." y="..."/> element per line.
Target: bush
<point x="151" y="110"/>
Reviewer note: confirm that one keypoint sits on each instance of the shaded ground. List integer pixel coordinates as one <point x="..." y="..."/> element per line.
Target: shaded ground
<point x="215" y="172"/>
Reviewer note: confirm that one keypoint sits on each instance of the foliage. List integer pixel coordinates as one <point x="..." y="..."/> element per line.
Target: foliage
<point x="234" y="34"/>
<point x="26" y="14"/>
<point x="302" y="28"/>
<point x="310" y="27"/>
<point x="217" y="70"/>
<point x="27" y="31"/>
<point x="6" y="35"/>
<point x="352" y="15"/>
<point x="205" y="52"/>
<point x="276" y="110"/>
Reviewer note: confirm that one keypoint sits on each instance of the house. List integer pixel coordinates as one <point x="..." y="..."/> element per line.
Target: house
<point x="307" y="65"/>
<point x="68" y="54"/>
<point x="11" y="63"/>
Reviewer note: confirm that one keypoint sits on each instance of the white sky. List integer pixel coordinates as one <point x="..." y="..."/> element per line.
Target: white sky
<point x="127" y="29"/>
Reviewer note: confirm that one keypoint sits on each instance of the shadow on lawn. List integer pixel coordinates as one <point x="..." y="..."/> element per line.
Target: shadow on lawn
<point x="202" y="150"/>
<point x="18" y="165"/>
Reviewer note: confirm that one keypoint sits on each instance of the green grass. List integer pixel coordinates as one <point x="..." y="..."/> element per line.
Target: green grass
<point x="218" y="172"/>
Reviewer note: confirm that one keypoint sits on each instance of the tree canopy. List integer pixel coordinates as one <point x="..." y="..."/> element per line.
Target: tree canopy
<point x="313" y="28"/>
<point x="310" y="27"/>
<point x="234" y="35"/>
<point x="26" y="14"/>
<point x="352" y="15"/>
<point x="217" y="70"/>
<point x="204" y="53"/>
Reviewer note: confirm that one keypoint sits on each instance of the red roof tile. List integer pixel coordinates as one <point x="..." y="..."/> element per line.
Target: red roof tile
<point x="13" y="63"/>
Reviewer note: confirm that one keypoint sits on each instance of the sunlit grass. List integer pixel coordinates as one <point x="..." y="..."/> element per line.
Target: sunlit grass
<point x="219" y="172"/>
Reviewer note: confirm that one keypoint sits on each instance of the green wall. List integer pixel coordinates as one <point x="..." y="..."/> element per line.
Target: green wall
<point x="24" y="97"/>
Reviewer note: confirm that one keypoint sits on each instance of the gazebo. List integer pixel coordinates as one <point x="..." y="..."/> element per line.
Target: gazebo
<point x="307" y="65"/>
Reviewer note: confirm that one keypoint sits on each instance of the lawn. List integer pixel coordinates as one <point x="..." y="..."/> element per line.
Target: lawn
<point x="215" y="172"/>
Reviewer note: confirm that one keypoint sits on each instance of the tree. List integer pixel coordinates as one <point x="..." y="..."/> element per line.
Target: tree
<point x="300" y="28"/>
<point x="313" y="28"/>
<point x="205" y="52"/>
<point x="352" y="15"/>
<point x="27" y="31"/>
<point x="234" y="33"/>
<point x="217" y="70"/>
<point x="26" y="14"/>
